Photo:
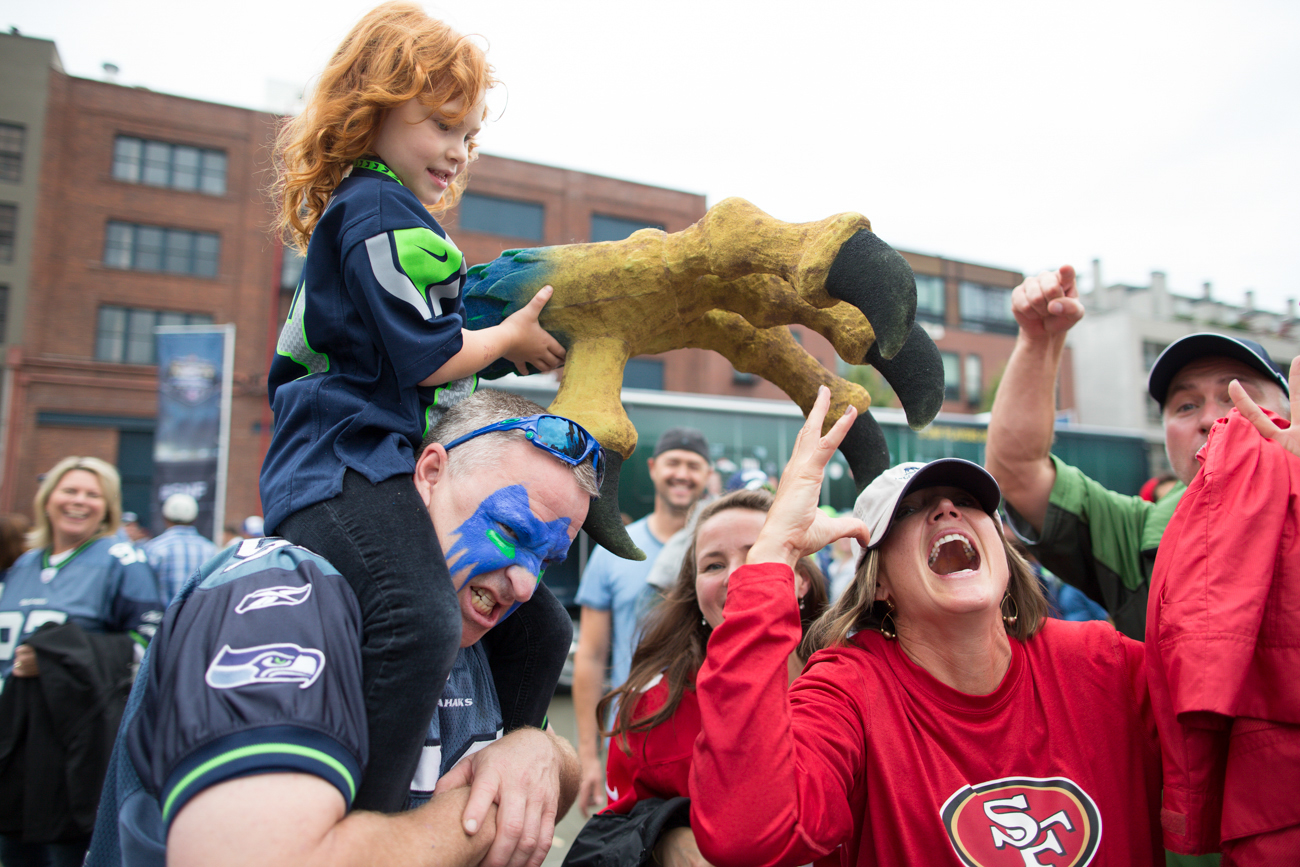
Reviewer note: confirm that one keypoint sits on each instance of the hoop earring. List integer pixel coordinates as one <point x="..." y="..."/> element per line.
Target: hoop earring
<point x="1010" y="619"/>
<point x="889" y="633"/>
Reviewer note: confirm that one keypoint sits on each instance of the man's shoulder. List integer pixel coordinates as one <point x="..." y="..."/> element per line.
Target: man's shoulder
<point x="267" y="556"/>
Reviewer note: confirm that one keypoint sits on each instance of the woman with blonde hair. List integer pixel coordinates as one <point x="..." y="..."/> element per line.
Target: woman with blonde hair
<point x="941" y="719"/>
<point x="85" y="602"/>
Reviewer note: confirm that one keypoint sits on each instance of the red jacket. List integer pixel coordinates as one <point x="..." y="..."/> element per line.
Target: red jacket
<point x="873" y="752"/>
<point x="1223" y="644"/>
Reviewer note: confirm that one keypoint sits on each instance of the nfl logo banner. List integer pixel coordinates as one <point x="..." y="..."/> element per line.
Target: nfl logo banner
<point x="191" y="442"/>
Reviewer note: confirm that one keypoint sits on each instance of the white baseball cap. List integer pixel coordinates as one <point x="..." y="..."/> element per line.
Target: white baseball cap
<point x="180" y="509"/>
<point x="879" y="500"/>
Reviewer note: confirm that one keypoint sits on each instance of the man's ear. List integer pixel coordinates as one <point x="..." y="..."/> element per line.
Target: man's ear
<point x="430" y="468"/>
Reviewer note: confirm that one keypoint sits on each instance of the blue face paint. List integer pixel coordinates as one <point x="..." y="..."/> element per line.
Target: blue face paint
<point x="502" y="532"/>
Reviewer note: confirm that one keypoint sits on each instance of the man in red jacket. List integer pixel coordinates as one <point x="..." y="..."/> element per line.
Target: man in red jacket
<point x="1223" y="643"/>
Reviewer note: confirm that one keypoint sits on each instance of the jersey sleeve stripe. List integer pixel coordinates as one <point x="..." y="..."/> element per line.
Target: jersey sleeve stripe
<point x="259" y="751"/>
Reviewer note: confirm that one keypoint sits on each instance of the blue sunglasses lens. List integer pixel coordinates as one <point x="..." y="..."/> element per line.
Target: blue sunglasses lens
<point x="570" y="440"/>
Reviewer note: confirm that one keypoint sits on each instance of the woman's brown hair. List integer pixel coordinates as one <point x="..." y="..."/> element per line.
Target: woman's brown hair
<point x="394" y="53"/>
<point x="676" y="635"/>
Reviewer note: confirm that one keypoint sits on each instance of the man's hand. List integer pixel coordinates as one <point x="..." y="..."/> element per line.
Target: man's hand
<point x="1048" y="304"/>
<point x="529" y="343"/>
<point x="595" y="627"/>
<point x="677" y="848"/>
<point x="591" y="787"/>
<point x="25" y="664"/>
<point x="1288" y="437"/>
<point x="530" y="775"/>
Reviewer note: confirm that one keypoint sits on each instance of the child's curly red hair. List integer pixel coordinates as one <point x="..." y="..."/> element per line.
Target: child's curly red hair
<point x="393" y="54"/>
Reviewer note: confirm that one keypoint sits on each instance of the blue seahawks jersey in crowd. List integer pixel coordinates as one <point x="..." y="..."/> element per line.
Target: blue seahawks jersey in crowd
<point x="468" y="719"/>
<point x="104" y="586"/>
<point x="377" y="311"/>
<point x="257" y="669"/>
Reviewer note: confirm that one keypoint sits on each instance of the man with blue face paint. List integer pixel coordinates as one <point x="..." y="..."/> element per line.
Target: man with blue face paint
<point x="245" y="739"/>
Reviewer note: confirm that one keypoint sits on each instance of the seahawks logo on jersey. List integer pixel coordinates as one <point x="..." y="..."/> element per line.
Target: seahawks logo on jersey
<point x="266" y="663"/>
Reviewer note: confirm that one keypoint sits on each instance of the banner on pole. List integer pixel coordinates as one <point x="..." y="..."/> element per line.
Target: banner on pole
<point x="191" y="441"/>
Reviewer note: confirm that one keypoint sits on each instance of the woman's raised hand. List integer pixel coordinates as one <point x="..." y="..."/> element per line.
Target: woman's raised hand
<point x="795" y="527"/>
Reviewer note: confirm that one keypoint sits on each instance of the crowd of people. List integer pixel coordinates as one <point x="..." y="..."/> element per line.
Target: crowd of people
<point x="976" y="665"/>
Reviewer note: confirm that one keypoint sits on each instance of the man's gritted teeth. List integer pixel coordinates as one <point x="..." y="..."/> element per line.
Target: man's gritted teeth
<point x="951" y="553"/>
<point x="482" y="600"/>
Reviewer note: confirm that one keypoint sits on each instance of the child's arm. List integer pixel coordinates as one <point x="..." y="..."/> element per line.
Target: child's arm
<point x="519" y="339"/>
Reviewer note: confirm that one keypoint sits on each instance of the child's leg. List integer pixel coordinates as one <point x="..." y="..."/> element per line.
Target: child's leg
<point x="381" y="539"/>
<point x="527" y="652"/>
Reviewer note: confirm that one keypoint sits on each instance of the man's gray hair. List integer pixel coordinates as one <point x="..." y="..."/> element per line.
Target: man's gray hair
<point x="479" y="410"/>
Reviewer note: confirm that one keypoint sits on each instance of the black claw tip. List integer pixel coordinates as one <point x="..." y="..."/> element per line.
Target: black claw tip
<point x="876" y="279"/>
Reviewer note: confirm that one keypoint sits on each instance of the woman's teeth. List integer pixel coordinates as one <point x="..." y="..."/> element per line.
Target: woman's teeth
<point x="952" y="553"/>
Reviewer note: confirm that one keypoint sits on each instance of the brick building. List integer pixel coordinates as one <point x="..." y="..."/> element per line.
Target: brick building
<point x="122" y="209"/>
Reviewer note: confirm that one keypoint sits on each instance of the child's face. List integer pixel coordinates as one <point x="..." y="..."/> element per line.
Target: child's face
<point x="426" y="151"/>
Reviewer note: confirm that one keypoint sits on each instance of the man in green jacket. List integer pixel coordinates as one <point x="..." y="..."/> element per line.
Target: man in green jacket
<point x="1102" y="542"/>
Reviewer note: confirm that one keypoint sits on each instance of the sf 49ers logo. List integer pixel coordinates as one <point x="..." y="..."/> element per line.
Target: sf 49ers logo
<point x="1023" y="822"/>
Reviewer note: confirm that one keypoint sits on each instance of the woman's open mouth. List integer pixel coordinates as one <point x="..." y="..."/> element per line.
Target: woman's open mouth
<point x="953" y="553"/>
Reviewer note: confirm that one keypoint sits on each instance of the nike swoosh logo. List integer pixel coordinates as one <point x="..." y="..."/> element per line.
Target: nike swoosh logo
<point x="612" y="793"/>
<point x="442" y="258"/>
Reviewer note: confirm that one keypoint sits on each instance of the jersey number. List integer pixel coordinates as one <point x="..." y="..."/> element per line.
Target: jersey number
<point x="12" y="627"/>
<point x="126" y="553"/>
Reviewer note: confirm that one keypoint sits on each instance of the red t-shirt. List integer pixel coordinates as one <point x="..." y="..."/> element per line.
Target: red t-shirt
<point x="660" y="758"/>
<point x="1059" y="763"/>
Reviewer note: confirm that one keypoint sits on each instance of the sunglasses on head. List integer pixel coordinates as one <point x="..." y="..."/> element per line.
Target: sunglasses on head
<point x="565" y="439"/>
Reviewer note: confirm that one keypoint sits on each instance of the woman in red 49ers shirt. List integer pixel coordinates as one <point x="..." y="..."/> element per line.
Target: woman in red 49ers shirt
<point x="942" y="719"/>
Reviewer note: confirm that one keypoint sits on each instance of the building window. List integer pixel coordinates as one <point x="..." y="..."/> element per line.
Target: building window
<point x="4" y="313"/>
<point x="1154" y="414"/>
<point x="11" y="152"/>
<point x="644" y="373"/>
<point x="8" y="228"/>
<point x="178" y="167"/>
<point x="986" y="308"/>
<point x="606" y="228"/>
<point x="951" y="375"/>
<point x="495" y="216"/>
<point x="125" y="334"/>
<point x="291" y="269"/>
<point x="974" y="371"/>
<point x="1150" y="352"/>
<point x="930" y="298"/>
<point x="153" y="248"/>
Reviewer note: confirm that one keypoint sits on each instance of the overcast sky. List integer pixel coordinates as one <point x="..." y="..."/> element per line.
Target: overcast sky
<point x="1151" y="135"/>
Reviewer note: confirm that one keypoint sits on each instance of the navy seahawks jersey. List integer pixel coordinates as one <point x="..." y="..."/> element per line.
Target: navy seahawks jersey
<point x="468" y="719"/>
<point x="256" y="668"/>
<point x="105" y="586"/>
<point x="377" y="311"/>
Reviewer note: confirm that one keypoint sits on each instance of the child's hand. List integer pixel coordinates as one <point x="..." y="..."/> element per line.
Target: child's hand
<point x="528" y="342"/>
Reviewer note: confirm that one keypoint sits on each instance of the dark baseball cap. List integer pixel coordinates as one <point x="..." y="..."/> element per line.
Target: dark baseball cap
<point x="687" y="438"/>
<point x="1185" y="350"/>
